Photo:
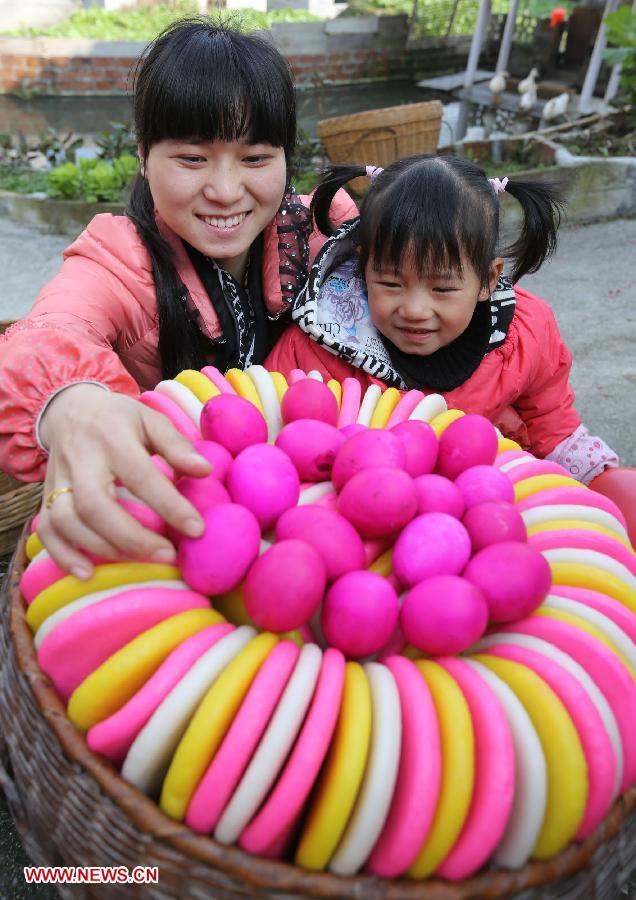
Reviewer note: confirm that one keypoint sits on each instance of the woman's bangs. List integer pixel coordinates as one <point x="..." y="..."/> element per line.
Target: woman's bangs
<point x="207" y="93"/>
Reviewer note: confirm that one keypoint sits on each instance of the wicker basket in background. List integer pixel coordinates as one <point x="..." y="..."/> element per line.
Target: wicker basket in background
<point x="18" y="501"/>
<point x="72" y="808"/>
<point x="379" y="136"/>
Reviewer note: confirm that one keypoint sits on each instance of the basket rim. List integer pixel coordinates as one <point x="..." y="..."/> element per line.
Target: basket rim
<point x="258" y="871"/>
<point x="392" y="115"/>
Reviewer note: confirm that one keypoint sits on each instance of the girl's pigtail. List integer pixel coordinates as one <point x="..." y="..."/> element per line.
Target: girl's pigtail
<point x="179" y="345"/>
<point x="333" y="179"/>
<point x="542" y="204"/>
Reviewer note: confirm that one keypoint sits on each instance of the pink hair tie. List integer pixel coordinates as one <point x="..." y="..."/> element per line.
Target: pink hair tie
<point x="373" y="171"/>
<point x="498" y="186"/>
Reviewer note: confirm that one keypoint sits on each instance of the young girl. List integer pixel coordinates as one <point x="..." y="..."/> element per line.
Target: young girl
<point x="213" y="248"/>
<point x="412" y="295"/>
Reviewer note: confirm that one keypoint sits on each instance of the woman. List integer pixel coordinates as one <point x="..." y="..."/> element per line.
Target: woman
<point x="213" y="248"/>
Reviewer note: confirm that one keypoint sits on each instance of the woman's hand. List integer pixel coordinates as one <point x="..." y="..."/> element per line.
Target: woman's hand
<point x="95" y="437"/>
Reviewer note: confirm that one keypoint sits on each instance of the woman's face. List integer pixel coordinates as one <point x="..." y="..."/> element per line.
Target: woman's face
<point x="421" y="315"/>
<point x="217" y="195"/>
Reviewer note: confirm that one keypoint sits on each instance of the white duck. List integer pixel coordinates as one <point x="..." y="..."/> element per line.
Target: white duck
<point x="529" y="83"/>
<point x="497" y="84"/>
<point x="555" y="107"/>
<point x="527" y="100"/>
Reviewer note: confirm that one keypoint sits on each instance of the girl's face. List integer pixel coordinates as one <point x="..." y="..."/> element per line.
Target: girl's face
<point x="217" y="195"/>
<point x="420" y="315"/>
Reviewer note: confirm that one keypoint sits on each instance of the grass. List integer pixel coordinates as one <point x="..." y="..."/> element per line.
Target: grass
<point x="22" y="181"/>
<point x="145" y="23"/>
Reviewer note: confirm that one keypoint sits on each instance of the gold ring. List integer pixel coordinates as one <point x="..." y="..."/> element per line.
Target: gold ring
<point x="52" y="496"/>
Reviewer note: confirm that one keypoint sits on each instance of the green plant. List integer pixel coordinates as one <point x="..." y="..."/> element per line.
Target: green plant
<point x="621" y="31"/>
<point x="23" y="181"/>
<point x="145" y="23"/>
<point x="378" y="8"/>
<point x="57" y="147"/>
<point x="65" y="182"/>
<point x="93" y="180"/>
<point x="306" y="182"/>
<point x="116" y="141"/>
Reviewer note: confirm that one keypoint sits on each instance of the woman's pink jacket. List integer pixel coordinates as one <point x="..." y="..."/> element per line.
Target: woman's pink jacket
<point x="97" y="321"/>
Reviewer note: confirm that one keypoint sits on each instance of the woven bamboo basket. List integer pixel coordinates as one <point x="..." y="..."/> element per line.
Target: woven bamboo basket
<point x="380" y="136"/>
<point x="18" y="501"/>
<point x="72" y="808"/>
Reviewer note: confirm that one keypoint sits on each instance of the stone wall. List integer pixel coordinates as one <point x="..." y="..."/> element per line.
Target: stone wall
<point x="339" y="51"/>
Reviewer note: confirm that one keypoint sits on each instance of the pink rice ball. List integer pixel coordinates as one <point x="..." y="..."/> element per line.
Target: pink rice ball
<point x="514" y="578"/>
<point x="492" y="523"/>
<point x="365" y="450"/>
<point x="202" y="492"/>
<point x="312" y="446"/>
<point x="264" y="480"/>
<point x="432" y="544"/>
<point x="355" y="428"/>
<point x="218" y="456"/>
<point x="444" y="615"/>
<point x="482" y="483"/>
<point x="360" y="613"/>
<point x="336" y="540"/>
<point x="285" y="586"/>
<point x="420" y="445"/>
<point x="309" y="399"/>
<point x="437" y="494"/>
<point x="217" y="561"/>
<point x="379" y="501"/>
<point x="233" y="422"/>
<point x="468" y="441"/>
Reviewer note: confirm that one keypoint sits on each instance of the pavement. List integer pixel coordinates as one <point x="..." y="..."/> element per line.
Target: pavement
<point x="590" y="284"/>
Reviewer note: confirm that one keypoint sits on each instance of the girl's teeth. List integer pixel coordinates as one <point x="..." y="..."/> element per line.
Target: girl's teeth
<point x="223" y="223"/>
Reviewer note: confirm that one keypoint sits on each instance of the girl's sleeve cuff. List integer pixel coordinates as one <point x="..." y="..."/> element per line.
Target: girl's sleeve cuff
<point x="584" y="455"/>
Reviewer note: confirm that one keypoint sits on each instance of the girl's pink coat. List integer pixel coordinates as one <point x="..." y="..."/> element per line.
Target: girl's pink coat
<point x="522" y="386"/>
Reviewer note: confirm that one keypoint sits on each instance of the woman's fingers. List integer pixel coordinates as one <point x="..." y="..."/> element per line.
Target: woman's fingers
<point x="64" y="520"/>
<point x="64" y="554"/>
<point x="137" y="473"/>
<point x="112" y="438"/>
<point x="98" y="510"/>
<point x="163" y="438"/>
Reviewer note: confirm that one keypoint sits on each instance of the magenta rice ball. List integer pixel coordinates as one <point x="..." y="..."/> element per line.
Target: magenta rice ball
<point x="312" y="446"/>
<point x="365" y="450"/>
<point x="468" y="441"/>
<point x="494" y="522"/>
<point x="444" y="615"/>
<point x="438" y="494"/>
<point x="218" y="456"/>
<point x="336" y="540"/>
<point x="514" y="578"/>
<point x="354" y="428"/>
<point x="217" y="561"/>
<point x="432" y="544"/>
<point x="233" y="422"/>
<point x="379" y="501"/>
<point x="360" y="613"/>
<point x="264" y="479"/>
<point x="309" y="399"/>
<point x="285" y="586"/>
<point x="420" y="444"/>
<point x="202" y="492"/>
<point x="482" y="483"/>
